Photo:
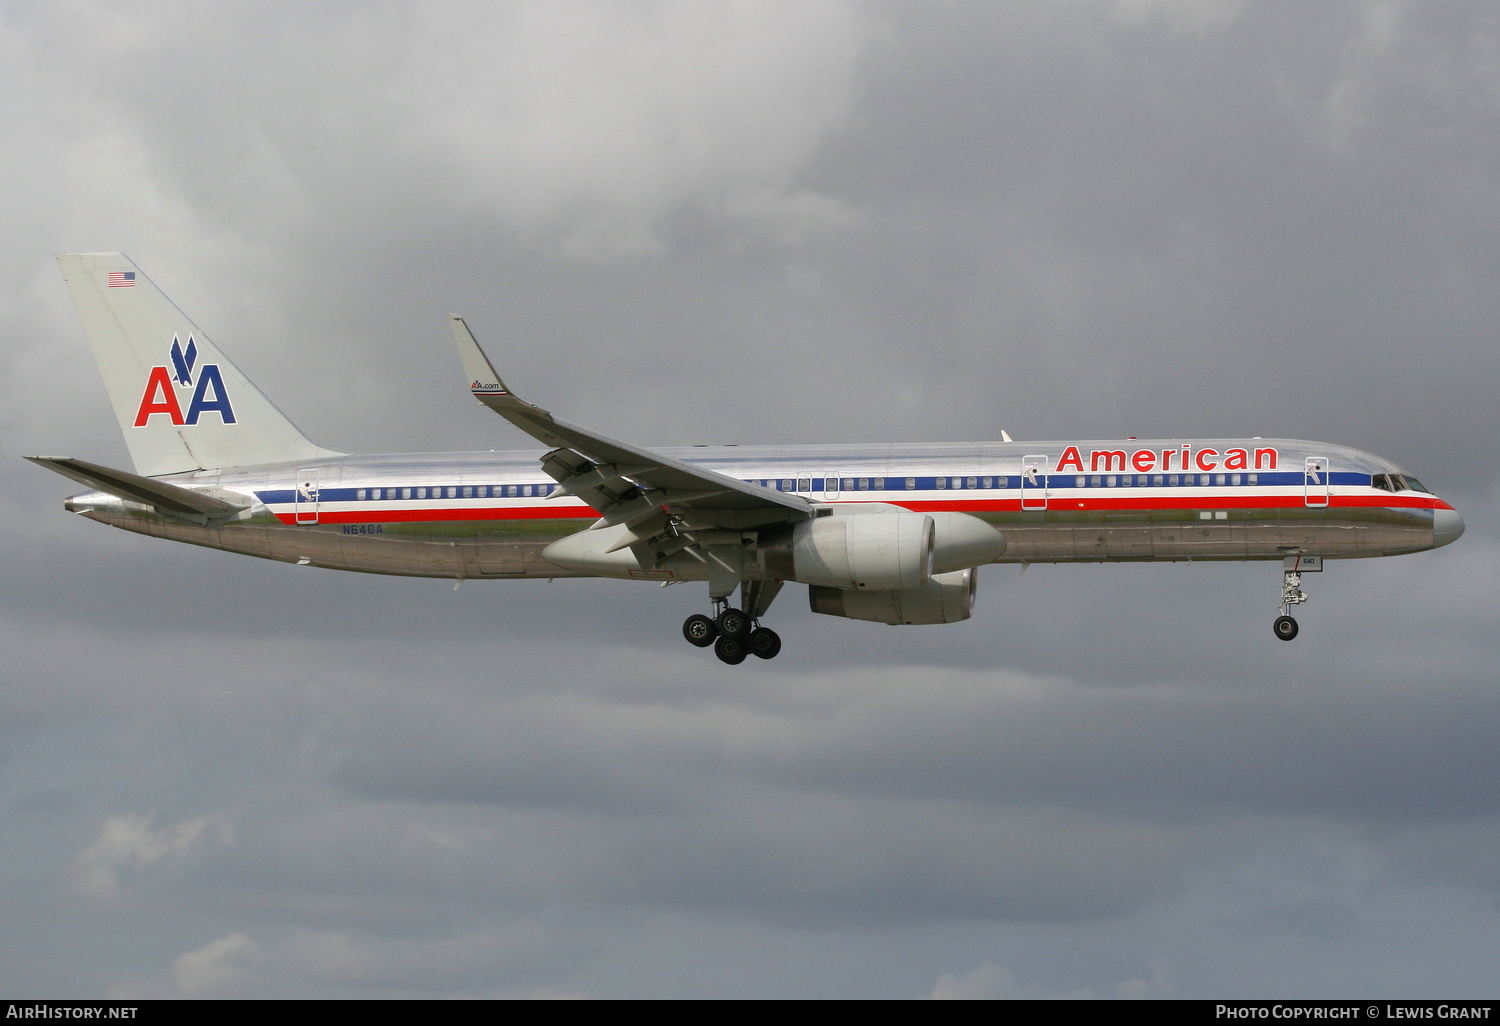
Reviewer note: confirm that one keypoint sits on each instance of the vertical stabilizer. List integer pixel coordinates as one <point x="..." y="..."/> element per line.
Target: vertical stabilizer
<point x="181" y="405"/>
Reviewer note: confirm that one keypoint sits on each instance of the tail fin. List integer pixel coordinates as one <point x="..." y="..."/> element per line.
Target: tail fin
<point x="181" y="405"/>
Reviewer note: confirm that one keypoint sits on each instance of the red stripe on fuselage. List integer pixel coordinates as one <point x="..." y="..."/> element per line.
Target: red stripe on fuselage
<point x="1063" y="503"/>
<point x="1058" y="503"/>
<point x="399" y="516"/>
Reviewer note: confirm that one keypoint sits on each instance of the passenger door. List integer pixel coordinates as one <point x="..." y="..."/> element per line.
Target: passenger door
<point x="1034" y="482"/>
<point x="1317" y="482"/>
<point x="305" y="501"/>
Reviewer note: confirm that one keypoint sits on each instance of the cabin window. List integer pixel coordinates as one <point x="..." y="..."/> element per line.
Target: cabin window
<point x="941" y="482"/>
<point x="911" y="483"/>
<point x="1219" y="480"/>
<point x="1157" y="480"/>
<point x="406" y="493"/>
<point x="879" y="484"/>
<point x="804" y="484"/>
<point x="359" y="495"/>
<point x="1079" y="482"/>
<point x="1234" y="479"/>
<point x="1253" y="479"/>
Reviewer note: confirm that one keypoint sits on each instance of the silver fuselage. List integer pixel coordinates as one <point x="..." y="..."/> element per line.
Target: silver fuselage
<point x="489" y="514"/>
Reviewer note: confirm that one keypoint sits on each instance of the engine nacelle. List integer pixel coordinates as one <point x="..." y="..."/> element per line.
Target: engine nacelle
<point x="871" y="551"/>
<point x="946" y="598"/>
<point x="960" y="540"/>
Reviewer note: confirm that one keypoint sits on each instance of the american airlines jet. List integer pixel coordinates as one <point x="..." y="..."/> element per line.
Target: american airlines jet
<point x="890" y="533"/>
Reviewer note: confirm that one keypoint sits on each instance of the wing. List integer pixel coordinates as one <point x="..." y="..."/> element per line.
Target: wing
<point x="652" y="494"/>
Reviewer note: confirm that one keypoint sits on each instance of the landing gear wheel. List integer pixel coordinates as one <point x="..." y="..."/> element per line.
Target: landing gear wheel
<point x="764" y="642"/>
<point x="1286" y="628"/>
<point x="731" y="650"/>
<point x="699" y="630"/>
<point x="733" y="623"/>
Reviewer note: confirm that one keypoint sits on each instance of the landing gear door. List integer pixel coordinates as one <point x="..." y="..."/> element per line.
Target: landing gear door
<point x="1033" y="482"/>
<point x="1318" y="483"/>
<point x="306" y="498"/>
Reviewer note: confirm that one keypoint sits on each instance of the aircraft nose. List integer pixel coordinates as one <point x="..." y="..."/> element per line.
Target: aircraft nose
<point x="1447" y="527"/>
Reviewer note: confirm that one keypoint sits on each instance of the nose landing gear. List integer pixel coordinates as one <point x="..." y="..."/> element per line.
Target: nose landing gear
<point x="1292" y="594"/>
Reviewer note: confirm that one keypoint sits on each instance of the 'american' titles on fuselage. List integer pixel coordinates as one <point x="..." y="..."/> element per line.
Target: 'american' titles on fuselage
<point x="1146" y="460"/>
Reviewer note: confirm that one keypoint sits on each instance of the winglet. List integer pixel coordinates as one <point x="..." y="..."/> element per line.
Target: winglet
<point x="483" y="381"/>
<point x="486" y="386"/>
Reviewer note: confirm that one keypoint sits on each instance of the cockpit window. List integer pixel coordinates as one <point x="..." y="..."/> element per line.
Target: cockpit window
<point x="1396" y="483"/>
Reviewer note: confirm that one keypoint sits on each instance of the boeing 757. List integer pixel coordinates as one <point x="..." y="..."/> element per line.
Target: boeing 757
<point x="890" y="533"/>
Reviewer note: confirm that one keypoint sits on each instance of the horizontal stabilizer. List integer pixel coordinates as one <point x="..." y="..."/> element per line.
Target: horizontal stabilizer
<point x="167" y="498"/>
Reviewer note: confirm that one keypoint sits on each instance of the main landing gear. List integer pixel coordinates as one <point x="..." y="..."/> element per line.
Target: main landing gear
<point x="732" y="633"/>
<point x="1291" y="595"/>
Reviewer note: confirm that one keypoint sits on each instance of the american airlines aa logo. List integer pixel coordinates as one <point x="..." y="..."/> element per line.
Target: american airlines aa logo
<point x="161" y="396"/>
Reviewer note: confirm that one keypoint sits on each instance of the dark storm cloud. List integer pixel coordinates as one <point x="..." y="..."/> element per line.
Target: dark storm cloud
<point x="686" y="222"/>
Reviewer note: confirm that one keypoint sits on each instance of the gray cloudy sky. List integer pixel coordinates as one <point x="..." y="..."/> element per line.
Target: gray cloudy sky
<point x="759" y="222"/>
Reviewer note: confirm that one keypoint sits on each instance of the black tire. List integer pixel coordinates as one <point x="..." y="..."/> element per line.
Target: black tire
<point x="764" y="642"/>
<point x="699" y="630"/>
<point x="734" y="624"/>
<point x="1286" y="628"/>
<point x="731" y="650"/>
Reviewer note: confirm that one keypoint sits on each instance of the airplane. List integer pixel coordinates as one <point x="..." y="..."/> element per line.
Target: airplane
<point x="889" y="533"/>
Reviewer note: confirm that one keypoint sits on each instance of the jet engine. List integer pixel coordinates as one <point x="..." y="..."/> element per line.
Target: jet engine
<point x="873" y="551"/>
<point x="946" y="598"/>
<point x="961" y="540"/>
